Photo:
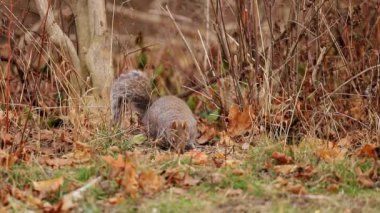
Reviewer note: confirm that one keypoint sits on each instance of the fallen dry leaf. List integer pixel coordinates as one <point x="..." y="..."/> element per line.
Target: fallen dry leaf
<point x="55" y="162"/>
<point x="82" y="146"/>
<point x="180" y="178"/>
<point x="345" y="143"/>
<point x="226" y="140"/>
<point x="330" y="154"/>
<point x="79" y="156"/>
<point x="130" y="179"/>
<point x="280" y="182"/>
<point x="116" y="199"/>
<point x="268" y="165"/>
<point x="297" y="189"/>
<point x="178" y="191"/>
<point x="238" y="172"/>
<point x="282" y="158"/>
<point x="124" y="172"/>
<point x="285" y="169"/>
<point x="173" y="176"/>
<point x="190" y="181"/>
<point x="114" y="149"/>
<point x="25" y="197"/>
<point x="216" y="178"/>
<point x="197" y="157"/>
<point x="239" y="122"/>
<point x="365" y="181"/>
<point x="364" y="178"/>
<point x="117" y="163"/>
<point x="305" y="172"/>
<point x="150" y="182"/>
<point x="233" y="192"/>
<point x="233" y="163"/>
<point x="207" y="134"/>
<point x="218" y="159"/>
<point x="48" y="186"/>
<point x="333" y="187"/>
<point x="369" y="151"/>
<point x="165" y="156"/>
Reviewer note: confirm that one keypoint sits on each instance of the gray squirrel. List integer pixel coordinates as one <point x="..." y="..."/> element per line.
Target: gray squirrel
<point x="168" y="118"/>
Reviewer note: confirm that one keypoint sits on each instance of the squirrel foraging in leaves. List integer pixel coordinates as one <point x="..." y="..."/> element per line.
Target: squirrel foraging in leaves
<point x="168" y="118"/>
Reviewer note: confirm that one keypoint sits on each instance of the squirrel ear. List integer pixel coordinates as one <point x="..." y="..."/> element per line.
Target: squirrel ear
<point x="184" y="125"/>
<point x="174" y="125"/>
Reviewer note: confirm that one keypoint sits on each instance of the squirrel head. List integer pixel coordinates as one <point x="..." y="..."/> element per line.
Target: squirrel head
<point x="178" y="136"/>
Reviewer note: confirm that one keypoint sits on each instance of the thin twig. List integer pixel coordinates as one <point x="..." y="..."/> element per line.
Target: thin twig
<point x="318" y="67"/>
<point x="351" y="79"/>
<point x="184" y="39"/>
<point x="8" y="90"/>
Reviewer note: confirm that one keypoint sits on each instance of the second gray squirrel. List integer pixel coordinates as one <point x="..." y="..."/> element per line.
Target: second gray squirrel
<point x="168" y="118"/>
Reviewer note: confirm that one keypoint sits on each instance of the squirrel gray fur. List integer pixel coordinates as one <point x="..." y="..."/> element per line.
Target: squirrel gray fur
<point x="168" y="118"/>
<point x="171" y="119"/>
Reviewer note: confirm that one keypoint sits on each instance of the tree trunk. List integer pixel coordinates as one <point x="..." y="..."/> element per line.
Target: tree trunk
<point x="93" y="62"/>
<point x="94" y="47"/>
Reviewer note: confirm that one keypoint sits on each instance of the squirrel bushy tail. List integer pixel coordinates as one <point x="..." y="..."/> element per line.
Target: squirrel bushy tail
<point x="132" y="87"/>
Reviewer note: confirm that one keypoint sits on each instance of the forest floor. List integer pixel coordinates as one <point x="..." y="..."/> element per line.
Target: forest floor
<point x="120" y="172"/>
